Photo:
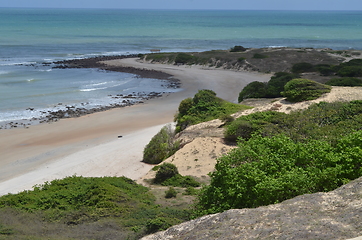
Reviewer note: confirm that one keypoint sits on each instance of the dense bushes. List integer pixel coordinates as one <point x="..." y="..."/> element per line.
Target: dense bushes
<point x="245" y="126"/>
<point x="352" y="68"/>
<point x="166" y="171"/>
<point x="299" y="89"/>
<point x="185" y="58"/>
<point x="161" y="146"/>
<point x="322" y="121"/>
<point x="204" y="106"/>
<point x="128" y="208"/>
<point x="345" y="81"/>
<point x="302" y="67"/>
<point x="168" y="175"/>
<point x="238" y="49"/>
<point x="264" y="171"/>
<point x="271" y="89"/>
<point x="284" y="155"/>
<point x="253" y="90"/>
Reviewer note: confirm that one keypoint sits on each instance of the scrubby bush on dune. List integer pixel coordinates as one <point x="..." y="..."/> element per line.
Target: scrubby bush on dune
<point x="302" y="67"/>
<point x="166" y="171"/>
<point x="116" y="205"/>
<point x="345" y="81"/>
<point x="238" y="49"/>
<point x="271" y="89"/>
<point x="168" y="175"/>
<point x="204" y="106"/>
<point x="185" y="58"/>
<point x="245" y="126"/>
<point x="285" y="155"/>
<point x="264" y="171"/>
<point x="321" y="121"/>
<point x="277" y="82"/>
<point x="253" y="90"/>
<point x="161" y="146"/>
<point x="300" y="89"/>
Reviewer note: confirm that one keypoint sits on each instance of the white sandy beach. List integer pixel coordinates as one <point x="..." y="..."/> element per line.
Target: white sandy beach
<point x="89" y="145"/>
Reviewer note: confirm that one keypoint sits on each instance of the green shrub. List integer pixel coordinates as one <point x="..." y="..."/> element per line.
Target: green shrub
<point x="184" y="58"/>
<point x="299" y="89"/>
<point x="166" y="171"/>
<point x="253" y="90"/>
<point x="325" y="69"/>
<point x="191" y="191"/>
<point x="226" y="119"/>
<point x="245" y="126"/>
<point x="346" y="81"/>
<point x="302" y="67"/>
<point x="241" y="59"/>
<point x="259" y="56"/>
<point x="161" y="146"/>
<point x="157" y="224"/>
<point x="277" y="82"/>
<point x="238" y="49"/>
<point x="170" y="193"/>
<point x="204" y="106"/>
<point x="350" y="71"/>
<point x="181" y="181"/>
<point x="265" y="171"/>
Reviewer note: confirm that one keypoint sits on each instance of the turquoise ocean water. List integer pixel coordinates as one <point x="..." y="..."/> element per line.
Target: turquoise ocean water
<point x="29" y="37"/>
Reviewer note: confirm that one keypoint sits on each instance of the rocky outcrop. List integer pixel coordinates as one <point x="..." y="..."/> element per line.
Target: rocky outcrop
<point x="333" y="215"/>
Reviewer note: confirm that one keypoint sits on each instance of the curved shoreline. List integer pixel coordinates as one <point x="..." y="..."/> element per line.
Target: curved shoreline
<point x="49" y="148"/>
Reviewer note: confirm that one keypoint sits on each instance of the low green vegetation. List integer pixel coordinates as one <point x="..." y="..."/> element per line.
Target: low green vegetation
<point x="302" y="67"/>
<point x="259" y="56"/>
<point x="90" y="203"/>
<point x="265" y="171"/>
<point x="322" y="121"/>
<point x="353" y="68"/>
<point x="204" y="106"/>
<point x="161" y="146"/>
<point x="280" y="156"/>
<point x="345" y="81"/>
<point x="238" y="49"/>
<point x="300" y="89"/>
<point x="168" y="175"/>
<point x="270" y="89"/>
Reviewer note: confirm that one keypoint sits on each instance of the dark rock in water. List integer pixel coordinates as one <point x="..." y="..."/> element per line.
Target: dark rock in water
<point x="332" y="215"/>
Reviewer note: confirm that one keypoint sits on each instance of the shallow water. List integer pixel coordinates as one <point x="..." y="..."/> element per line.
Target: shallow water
<point x="31" y="37"/>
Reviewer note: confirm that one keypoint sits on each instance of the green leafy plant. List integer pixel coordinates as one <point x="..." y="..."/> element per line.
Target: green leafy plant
<point x="265" y="170"/>
<point x="161" y="146"/>
<point x="166" y="171"/>
<point x="302" y="67"/>
<point x="259" y="56"/>
<point x="170" y="193"/>
<point x="184" y="58"/>
<point x="204" y="106"/>
<point x="300" y="89"/>
<point x="238" y="49"/>
<point x="345" y="81"/>
<point x="253" y="90"/>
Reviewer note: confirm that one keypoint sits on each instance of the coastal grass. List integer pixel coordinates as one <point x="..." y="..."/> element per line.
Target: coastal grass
<point x="87" y="205"/>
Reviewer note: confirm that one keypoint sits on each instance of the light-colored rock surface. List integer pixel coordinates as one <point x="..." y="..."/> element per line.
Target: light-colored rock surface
<point x="332" y="215"/>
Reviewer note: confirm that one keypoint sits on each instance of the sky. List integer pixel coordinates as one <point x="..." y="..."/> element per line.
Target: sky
<point x="191" y="4"/>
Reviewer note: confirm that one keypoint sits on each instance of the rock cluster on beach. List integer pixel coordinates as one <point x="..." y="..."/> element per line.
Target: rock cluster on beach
<point x="73" y="111"/>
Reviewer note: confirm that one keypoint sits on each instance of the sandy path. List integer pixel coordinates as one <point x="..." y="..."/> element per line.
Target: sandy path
<point x="89" y="146"/>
